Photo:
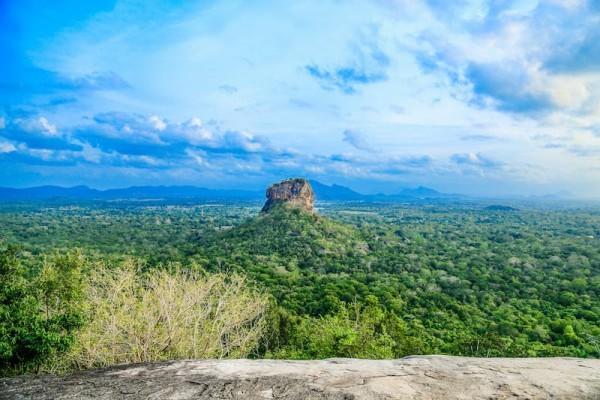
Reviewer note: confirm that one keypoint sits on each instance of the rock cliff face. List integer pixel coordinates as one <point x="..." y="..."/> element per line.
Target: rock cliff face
<point x="294" y="192"/>
<point x="421" y="377"/>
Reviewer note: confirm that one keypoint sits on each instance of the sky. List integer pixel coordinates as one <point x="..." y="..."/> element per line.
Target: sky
<point x="489" y="97"/>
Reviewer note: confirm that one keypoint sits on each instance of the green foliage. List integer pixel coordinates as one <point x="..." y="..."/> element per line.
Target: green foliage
<point x="469" y="282"/>
<point x="361" y="280"/>
<point x="355" y="331"/>
<point x="39" y="314"/>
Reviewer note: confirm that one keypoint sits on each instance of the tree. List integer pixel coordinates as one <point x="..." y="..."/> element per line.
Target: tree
<point x="38" y="317"/>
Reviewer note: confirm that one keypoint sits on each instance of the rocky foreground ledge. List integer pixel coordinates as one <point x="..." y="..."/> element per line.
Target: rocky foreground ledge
<point x="419" y="377"/>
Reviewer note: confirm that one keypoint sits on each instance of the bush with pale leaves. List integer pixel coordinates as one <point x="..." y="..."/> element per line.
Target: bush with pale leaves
<point x="167" y="314"/>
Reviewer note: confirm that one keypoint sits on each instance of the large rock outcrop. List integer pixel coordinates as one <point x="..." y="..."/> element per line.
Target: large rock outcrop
<point x="294" y="192"/>
<point x="421" y="377"/>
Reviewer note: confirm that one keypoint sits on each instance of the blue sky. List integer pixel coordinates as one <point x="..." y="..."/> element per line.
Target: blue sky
<point x="478" y="97"/>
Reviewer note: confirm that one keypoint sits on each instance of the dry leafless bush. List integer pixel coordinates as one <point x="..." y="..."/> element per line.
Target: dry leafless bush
<point x="164" y="315"/>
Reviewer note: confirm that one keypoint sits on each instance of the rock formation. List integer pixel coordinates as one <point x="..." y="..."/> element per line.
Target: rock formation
<point x="419" y="377"/>
<point x="294" y="192"/>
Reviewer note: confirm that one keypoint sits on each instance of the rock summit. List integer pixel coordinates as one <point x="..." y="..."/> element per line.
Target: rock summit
<point x="295" y="192"/>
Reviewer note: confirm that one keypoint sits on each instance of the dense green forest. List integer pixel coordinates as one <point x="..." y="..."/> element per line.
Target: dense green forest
<point x="354" y="280"/>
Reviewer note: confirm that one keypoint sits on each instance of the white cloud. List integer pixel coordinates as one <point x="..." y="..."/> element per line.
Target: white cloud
<point x="245" y="141"/>
<point x="195" y="122"/>
<point x="568" y="4"/>
<point x="196" y="156"/>
<point x="2" y="123"/>
<point x="39" y="126"/>
<point x="6" y="147"/>
<point x="564" y="90"/>
<point x="475" y="159"/>
<point x="48" y="128"/>
<point x="157" y="123"/>
<point x="91" y="154"/>
<point x="357" y="140"/>
<point x="194" y="132"/>
<point x="45" y="154"/>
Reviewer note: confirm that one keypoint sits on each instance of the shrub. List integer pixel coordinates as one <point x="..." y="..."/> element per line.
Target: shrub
<point x="166" y="314"/>
<point x="39" y="315"/>
<point x="355" y="330"/>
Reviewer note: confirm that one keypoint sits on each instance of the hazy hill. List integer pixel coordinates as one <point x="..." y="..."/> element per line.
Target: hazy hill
<point x="322" y="192"/>
<point x="134" y="192"/>
<point x="335" y="192"/>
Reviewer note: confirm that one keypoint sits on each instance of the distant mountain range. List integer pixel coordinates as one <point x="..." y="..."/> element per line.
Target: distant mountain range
<point x="134" y="192"/>
<point x="323" y="192"/>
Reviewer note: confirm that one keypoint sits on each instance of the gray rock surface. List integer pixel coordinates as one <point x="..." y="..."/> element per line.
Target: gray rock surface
<point x="419" y="377"/>
<point x="294" y="192"/>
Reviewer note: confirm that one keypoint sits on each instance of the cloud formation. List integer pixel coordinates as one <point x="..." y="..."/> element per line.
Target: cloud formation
<point x="150" y="142"/>
<point x="510" y="61"/>
<point x="369" y="65"/>
<point x="7" y="147"/>
<point x="475" y="160"/>
<point x="357" y="140"/>
<point x="479" y="95"/>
